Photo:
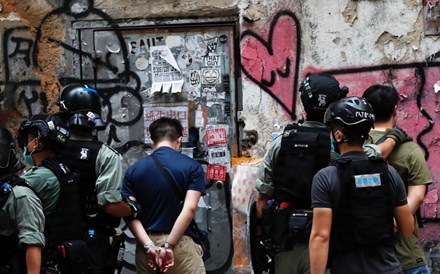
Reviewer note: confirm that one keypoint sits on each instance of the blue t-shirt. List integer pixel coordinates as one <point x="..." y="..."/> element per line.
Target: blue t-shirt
<point x="160" y="206"/>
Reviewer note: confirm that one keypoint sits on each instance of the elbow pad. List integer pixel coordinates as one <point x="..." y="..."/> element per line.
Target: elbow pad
<point x="135" y="208"/>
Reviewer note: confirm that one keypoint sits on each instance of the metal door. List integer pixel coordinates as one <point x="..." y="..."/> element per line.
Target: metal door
<point x="185" y="72"/>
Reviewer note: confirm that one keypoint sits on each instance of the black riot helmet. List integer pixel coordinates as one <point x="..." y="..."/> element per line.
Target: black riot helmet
<point x="354" y="114"/>
<point x="49" y="129"/>
<point x="318" y="91"/>
<point x="8" y="161"/>
<point x="80" y="105"/>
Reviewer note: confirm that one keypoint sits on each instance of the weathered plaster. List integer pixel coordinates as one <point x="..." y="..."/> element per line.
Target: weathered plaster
<point x="349" y="12"/>
<point x="403" y="47"/>
<point x="168" y="8"/>
<point x="31" y="12"/>
<point x="50" y="52"/>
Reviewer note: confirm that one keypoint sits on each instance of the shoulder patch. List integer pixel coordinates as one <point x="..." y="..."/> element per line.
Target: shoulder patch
<point x="84" y="154"/>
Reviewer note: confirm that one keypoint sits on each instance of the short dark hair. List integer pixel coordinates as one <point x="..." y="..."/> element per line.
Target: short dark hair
<point x="383" y="99"/>
<point x="355" y="135"/>
<point x="165" y="129"/>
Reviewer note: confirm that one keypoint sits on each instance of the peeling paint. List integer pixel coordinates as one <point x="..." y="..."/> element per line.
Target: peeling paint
<point x="412" y="3"/>
<point x="350" y="13"/>
<point x="11" y="17"/>
<point x="343" y="56"/>
<point x="31" y="12"/>
<point x="49" y="56"/>
<point x="396" y="48"/>
<point x="253" y="13"/>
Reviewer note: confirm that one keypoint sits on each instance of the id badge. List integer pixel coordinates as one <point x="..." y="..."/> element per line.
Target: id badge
<point x="367" y="180"/>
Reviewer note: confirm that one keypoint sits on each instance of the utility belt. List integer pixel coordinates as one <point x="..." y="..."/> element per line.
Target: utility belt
<point x="283" y="226"/>
<point x="92" y="254"/>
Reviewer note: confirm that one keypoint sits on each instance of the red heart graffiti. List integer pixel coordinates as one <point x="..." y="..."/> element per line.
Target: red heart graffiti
<point x="272" y="62"/>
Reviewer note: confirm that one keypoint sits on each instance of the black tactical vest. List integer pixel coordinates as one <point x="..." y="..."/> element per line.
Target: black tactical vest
<point x="12" y="260"/>
<point x="81" y="156"/>
<point x="65" y="222"/>
<point x="364" y="215"/>
<point x="304" y="151"/>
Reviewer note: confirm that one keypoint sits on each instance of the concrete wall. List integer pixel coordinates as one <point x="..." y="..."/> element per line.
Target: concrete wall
<point x="360" y="42"/>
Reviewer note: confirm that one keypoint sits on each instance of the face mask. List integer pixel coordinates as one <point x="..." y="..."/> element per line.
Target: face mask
<point x="335" y="147"/>
<point x="28" y="156"/>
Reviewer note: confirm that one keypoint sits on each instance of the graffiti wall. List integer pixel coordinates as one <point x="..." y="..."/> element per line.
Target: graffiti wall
<point x="141" y="73"/>
<point x="219" y="65"/>
<point x="270" y="57"/>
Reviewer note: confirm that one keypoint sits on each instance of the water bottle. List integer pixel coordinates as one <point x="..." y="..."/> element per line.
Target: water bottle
<point x="91" y="233"/>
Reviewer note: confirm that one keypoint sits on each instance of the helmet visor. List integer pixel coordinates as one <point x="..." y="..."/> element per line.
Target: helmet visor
<point x="4" y="154"/>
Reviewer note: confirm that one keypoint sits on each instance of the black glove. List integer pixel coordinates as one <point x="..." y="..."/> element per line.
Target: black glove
<point x="398" y="135"/>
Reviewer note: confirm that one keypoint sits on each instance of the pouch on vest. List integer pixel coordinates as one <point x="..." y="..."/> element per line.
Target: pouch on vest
<point x="100" y="252"/>
<point x="75" y="257"/>
<point x="300" y="225"/>
<point x="276" y="229"/>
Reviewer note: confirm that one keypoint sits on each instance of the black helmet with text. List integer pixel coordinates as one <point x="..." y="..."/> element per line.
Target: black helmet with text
<point x="353" y="114"/>
<point x="318" y="91"/>
<point x="80" y="105"/>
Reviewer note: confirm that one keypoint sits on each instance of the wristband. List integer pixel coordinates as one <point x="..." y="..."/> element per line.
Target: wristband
<point x="149" y="245"/>
<point x="167" y="245"/>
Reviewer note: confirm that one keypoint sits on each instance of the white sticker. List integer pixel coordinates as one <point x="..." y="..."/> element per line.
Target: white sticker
<point x="177" y="87"/>
<point x="212" y="61"/>
<point x="218" y="155"/>
<point x="211" y="76"/>
<point x="141" y="63"/>
<point x="156" y="87"/>
<point x="199" y="121"/>
<point x="185" y="60"/>
<point x="194" y="78"/>
<point x="166" y="87"/>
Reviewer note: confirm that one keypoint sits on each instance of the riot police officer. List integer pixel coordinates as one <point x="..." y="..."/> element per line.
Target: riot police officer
<point x="355" y="200"/>
<point x="99" y="166"/>
<point x="41" y="137"/>
<point x="21" y="215"/>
